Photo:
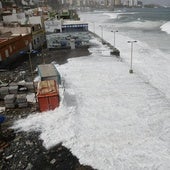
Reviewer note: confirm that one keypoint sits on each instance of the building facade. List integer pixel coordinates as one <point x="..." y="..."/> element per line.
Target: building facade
<point x="11" y="45"/>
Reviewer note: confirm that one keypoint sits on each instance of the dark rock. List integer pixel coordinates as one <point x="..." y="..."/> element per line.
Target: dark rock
<point x="115" y="52"/>
<point x="52" y="161"/>
<point x="29" y="166"/>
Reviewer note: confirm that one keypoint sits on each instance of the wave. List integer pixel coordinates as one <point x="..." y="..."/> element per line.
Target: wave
<point x="112" y="15"/>
<point x="123" y="19"/>
<point x="138" y="24"/>
<point x="166" y="27"/>
<point x="116" y="15"/>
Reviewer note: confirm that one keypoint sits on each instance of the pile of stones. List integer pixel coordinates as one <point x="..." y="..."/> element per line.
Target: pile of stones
<point x="14" y="95"/>
<point x="12" y="101"/>
<point x="21" y="100"/>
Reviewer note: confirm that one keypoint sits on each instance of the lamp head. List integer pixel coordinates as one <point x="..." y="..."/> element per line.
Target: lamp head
<point x="131" y="41"/>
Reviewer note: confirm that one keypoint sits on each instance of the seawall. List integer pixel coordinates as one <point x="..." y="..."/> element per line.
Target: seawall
<point x="114" y="51"/>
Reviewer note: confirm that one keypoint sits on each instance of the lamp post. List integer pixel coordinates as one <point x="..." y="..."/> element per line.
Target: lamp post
<point x="101" y="31"/>
<point x="114" y="37"/>
<point x="131" y="42"/>
<point x="94" y="27"/>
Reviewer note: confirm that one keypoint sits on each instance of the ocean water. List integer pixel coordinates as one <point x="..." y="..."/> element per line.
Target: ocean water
<point x="150" y="27"/>
<point x="141" y="24"/>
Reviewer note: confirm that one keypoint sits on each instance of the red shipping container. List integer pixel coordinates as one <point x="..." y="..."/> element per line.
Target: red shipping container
<point x="48" y="95"/>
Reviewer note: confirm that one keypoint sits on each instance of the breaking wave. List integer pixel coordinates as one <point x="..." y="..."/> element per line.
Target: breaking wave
<point x="112" y="15"/>
<point x="146" y="25"/>
<point x="116" y="15"/>
<point x="127" y="20"/>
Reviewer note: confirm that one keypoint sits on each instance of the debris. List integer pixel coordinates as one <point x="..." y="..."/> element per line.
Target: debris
<point x="10" y="101"/>
<point x="3" y="92"/>
<point x="9" y="157"/>
<point x="13" y="89"/>
<point x="52" y="161"/>
<point x="29" y="85"/>
<point x="22" y="100"/>
<point x="3" y="145"/>
<point x="29" y="166"/>
<point x="115" y="52"/>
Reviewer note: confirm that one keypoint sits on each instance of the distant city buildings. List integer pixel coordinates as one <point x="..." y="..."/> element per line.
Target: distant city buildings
<point x="61" y="4"/>
<point x="132" y="3"/>
<point x="91" y="3"/>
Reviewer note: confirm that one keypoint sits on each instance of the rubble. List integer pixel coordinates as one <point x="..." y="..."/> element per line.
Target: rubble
<point x="13" y="89"/>
<point x="3" y="92"/>
<point x="10" y="101"/>
<point x="22" y="100"/>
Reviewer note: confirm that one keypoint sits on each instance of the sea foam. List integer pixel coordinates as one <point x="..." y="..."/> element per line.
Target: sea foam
<point x="166" y="27"/>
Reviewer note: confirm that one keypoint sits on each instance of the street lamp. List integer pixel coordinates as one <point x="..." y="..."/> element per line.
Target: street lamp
<point x="131" y="42"/>
<point x="101" y="31"/>
<point x="114" y="37"/>
<point x="94" y="27"/>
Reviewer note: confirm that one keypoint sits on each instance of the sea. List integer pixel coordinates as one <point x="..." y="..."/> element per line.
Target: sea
<point x="149" y="25"/>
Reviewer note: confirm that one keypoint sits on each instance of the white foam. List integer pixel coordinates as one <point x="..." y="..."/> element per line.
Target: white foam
<point x="166" y="27"/>
<point x="112" y="15"/>
<point x="141" y="24"/>
<point x="115" y="15"/>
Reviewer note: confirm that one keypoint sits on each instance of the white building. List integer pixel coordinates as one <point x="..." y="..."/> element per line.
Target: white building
<point x="53" y="25"/>
<point x="66" y="34"/>
<point x="130" y="3"/>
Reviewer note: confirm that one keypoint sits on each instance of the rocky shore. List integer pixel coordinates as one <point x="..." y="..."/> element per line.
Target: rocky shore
<point x="24" y="150"/>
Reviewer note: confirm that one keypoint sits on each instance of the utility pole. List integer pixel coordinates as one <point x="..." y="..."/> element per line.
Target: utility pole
<point x="101" y="32"/>
<point x="114" y="37"/>
<point x="131" y="42"/>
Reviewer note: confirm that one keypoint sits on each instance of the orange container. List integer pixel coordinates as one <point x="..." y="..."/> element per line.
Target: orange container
<point x="48" y="95"/>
